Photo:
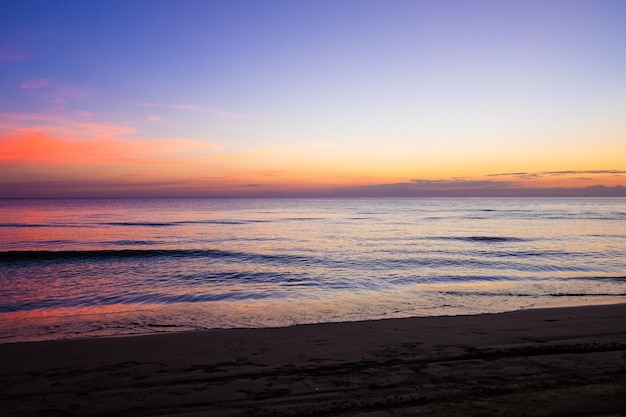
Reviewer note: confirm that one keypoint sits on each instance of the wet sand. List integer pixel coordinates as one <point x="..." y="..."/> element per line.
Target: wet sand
<point x="550" y="362"/>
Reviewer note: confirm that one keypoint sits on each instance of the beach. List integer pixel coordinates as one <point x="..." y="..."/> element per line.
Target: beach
<point x="539" y="362"/>
<point x="313" y="208"/>
<point x="77" y="268"/>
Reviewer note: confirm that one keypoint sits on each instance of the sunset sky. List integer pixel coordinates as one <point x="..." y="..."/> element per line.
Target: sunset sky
<point x="312" y="98"/>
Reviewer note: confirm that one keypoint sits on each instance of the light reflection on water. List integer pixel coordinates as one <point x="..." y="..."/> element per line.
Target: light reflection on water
<point x="105" y="267"/>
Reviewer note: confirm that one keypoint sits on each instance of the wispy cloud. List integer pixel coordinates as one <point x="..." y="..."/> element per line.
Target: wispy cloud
<point x="10" y="53"/>
<point x="80" y="127"/>
<point x="461" y="183"/>
<point x="539" y="174"/>
<point x="54" y="91"/>
<point x="36" y="83"/>
<point x="520" y="175"/>
<point x="200" y="109"/>
<point x="583" y="172"/>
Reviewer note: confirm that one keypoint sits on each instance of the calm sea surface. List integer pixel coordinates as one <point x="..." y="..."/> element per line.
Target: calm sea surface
<point x="81" y="268"/>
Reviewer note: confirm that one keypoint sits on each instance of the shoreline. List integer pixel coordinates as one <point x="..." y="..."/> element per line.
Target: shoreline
<point x="549" y="361"/>
<point x="38" y="338"/>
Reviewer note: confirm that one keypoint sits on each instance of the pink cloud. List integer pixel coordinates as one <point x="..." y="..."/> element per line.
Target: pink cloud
<point x="27" y="138"/>
<point x="36" y="83"/>
<point x="12" y="53"/>
<point x="54" y="91"/>
<point x="64" y="93"/>
<point x="36" y="147"/>
<point x="61" y="126"/>
<point x="200" y="109"/>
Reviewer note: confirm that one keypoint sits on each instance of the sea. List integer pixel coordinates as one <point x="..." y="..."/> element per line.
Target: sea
<point x="76" y="268"/>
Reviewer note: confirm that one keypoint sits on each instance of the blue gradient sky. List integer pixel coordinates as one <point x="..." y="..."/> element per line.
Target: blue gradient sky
<point x="208" y="98"/>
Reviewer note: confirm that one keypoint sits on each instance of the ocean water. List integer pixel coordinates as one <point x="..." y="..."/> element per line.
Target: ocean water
<point x="83" y="268"/>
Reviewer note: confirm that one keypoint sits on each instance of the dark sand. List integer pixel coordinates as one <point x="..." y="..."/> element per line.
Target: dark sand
<point x="551" y="362"/>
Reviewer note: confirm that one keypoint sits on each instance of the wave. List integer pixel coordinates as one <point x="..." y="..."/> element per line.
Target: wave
<point x="134" y="223"/>
<point x="130" y="242"/>
<point x="483" y="239"/>
<point x="38" y="225"/>
<point x="532" y="295"/>
<point x="23" y="225"/>
<point x="230" y="293"/>
<point x="135" y="299"/>
<point x="143" y="224"/>
<point x="546" y="254"/>
<point x="179" y="223"/>
<point x="46" y="255"/>
<point x="114" y="254"/>
<point x="468" y="278"/>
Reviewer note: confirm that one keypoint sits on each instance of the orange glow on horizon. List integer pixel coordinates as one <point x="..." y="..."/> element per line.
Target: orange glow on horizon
<point x="106" y="164"/>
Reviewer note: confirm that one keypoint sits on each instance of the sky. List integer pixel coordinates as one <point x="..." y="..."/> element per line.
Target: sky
<point x="132" y="98"/>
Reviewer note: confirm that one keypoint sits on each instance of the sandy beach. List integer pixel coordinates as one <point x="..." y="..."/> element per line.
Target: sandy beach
<point x="544" y="362"/>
